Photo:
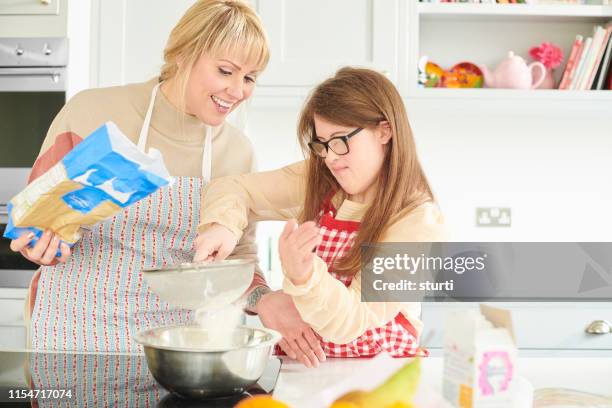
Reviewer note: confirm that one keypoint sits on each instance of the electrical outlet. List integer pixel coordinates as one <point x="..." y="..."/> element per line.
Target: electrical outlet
<point x="493" y="217"/>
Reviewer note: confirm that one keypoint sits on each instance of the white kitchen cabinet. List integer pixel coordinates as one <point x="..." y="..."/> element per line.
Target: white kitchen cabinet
<point x="340" y="32"/>
<point x="12" y="311"/>
<point x="537" y="325"/>
<point x="310" y="40"/>
<point x="12" y="326"/>
<point x="130" y="37"/>
<point x="11" y="305"/>
<point x="13" y="338"/>
<point x="33" y="7"/>
<point x="33" y="18"/>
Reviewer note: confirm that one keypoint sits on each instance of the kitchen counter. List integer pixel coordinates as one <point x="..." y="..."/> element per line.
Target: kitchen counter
<point x="584" y="373"/>
<point x="125" y="379"/>
<point x="99" y="380"/>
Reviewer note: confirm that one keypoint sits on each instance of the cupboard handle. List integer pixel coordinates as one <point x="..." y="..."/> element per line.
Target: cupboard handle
<point x="599" y="327"/>
<point x="45" y="2"/>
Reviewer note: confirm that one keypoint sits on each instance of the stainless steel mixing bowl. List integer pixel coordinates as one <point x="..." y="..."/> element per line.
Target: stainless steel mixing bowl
<point x="181" y="361"/>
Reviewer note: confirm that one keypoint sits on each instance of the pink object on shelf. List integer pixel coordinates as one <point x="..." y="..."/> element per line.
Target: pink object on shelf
<point x="549" y="79"/>
<point x="513" y="72"/>
<point x="548" y="54"/>
<point x="551" y="56"/>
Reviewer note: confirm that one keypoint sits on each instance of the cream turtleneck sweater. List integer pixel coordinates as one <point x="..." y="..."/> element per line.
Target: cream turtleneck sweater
<point x="178" y="136"/>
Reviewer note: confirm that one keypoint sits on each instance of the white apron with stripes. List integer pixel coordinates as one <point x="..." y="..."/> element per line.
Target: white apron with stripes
<point x="98" y="300"/>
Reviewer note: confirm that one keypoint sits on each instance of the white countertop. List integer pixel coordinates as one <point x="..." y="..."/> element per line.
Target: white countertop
<point x="590" y="374"/>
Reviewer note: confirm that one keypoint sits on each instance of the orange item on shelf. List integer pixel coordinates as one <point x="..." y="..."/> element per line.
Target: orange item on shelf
<point x="461" y="75"/>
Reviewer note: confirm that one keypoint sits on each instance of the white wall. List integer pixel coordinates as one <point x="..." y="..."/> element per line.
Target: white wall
<point x="551" y="167"/>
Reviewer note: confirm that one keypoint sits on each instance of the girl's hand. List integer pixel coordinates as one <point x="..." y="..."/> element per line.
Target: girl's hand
<point x="214" y="244"/>
<point x="44" y="251"/>
<point x="296" y="248"/>
<point x="278" y="312"/>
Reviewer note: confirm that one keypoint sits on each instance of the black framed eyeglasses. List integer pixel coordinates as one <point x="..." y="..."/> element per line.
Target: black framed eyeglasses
<point x="337" y="144"/>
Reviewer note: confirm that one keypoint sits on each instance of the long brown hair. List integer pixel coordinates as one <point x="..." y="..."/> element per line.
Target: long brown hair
<point x="359" y="97"/>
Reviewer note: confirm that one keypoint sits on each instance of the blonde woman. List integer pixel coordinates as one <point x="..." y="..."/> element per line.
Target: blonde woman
<point x="93" y="297"/>
<point x="361" y="183"/>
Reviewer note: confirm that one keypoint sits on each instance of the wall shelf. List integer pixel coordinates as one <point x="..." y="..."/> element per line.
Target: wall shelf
<point x="449" y="33"/>
<point x="512" y="94"/>
<point x="592" y="13"/>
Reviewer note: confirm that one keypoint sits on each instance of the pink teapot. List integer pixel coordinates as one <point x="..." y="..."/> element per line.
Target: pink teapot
<point x="513" y="72"/>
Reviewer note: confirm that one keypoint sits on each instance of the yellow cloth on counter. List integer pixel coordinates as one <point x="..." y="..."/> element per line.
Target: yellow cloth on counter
<point x="334" y="311"/>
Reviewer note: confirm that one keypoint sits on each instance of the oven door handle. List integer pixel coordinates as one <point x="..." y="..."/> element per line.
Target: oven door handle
<point x="54" y="75"/>
<point x="33" y="79"/>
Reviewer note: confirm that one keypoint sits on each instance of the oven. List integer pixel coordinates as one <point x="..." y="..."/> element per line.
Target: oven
<point x="32" y="92"/>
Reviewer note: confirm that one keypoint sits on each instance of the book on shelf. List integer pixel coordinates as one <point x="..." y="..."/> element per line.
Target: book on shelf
<point x="598" y="56"/>
<point x="570" y="66"/>
<point x="604" y="67"/>
<point x="591" y="59"/>
<point x="581" y="61"/>
<point x="590" y="62"/>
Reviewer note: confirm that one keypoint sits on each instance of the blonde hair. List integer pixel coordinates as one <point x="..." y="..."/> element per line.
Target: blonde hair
<point x="363" y="98"/>
<point x="214" y="27"/>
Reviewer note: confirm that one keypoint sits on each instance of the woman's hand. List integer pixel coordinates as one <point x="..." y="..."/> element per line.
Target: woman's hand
<point x="296" y="248"/>
<point x="278" y="312"/>
<point x="214" y="244"/>
<point x="44" y="251"/>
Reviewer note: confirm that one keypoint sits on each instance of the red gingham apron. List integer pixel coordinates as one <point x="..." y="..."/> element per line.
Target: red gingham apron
<point x="398" y="337"/>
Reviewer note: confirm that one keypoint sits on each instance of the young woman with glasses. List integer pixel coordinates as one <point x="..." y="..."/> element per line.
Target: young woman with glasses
<point x="361" y="183"/>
